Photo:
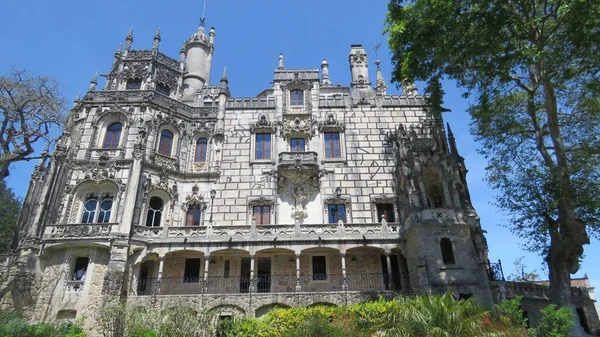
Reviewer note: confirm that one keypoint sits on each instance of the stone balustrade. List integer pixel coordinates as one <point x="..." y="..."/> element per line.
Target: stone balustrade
<point x="68" y="231"/>
<point x="296" y="158"/>
<point x="166" y="162"/>
<point x="106" y="154"/>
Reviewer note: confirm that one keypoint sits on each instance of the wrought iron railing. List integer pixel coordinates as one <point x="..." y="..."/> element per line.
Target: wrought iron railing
<point x="495" y="272"/>
<point x="268" y="284"/>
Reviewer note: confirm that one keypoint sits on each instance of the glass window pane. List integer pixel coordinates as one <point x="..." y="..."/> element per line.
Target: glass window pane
<point x="166" y="143"/>
<point x="201" y="146"/>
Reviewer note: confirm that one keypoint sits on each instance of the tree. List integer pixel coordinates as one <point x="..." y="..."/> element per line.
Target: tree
<point x="10" y="206"/>
<point x="533" y="69"/>
<point x="522" y="275"/>
<point x="31" y="108"/>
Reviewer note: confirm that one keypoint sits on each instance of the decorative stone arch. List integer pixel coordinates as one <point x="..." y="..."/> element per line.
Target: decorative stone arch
<point x="302" y="86"/>
<point x="380" y="199"/>
<point x="226" y="307"/>
<point x="264" y="309"/>
<point x="194" y="201"/>
<point x="85" y="189"/>
<point x="261" y="201"/>
<point x="106" y="117"/>
<point x="332" y="123"/>
<point x="167" y="208"/>
<point x="176" y="138"/>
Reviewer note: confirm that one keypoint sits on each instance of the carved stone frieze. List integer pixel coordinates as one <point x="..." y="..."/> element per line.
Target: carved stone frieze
<point x="231" y="230"/>
<point x="147" y="232"/>
<point x="203" y="127"/>
<point x="79" y="230"/>
<point x="298" y="125"/>
<point x="166" y="162"/>
<point x="332" y="123"/>
<point x="187" y="232"/>
<point x="263" y="123"/>
<point x="135" y="70"/>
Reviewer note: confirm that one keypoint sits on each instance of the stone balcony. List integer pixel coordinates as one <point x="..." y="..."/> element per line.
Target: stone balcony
<point x="106" y="154"/>
<point x="254" y="232"/>
<point x="298" y="160"/>
<point x="80" y="231"/>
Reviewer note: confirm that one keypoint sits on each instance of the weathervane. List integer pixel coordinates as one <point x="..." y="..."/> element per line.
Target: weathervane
<point x="203" y="14"/>
<point x="376" y="49"/>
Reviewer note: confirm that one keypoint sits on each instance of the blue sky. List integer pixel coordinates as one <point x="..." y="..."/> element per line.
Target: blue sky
<point x="70" y="40"/>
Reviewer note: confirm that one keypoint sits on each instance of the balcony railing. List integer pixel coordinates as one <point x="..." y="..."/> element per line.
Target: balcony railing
<point x="268" y="284"/>
<point x="80" y="230"/>
<point x="298" y="158"/>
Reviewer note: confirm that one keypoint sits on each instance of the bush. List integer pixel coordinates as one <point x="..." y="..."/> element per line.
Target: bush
<point x="555" y="322"/>
<point x="14" y="326"/>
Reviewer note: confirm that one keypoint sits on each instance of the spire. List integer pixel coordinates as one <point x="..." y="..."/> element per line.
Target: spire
<point x="211" y="35"/>
<point x="381" y="87"/>
<point x="452" y="141"/>
<point x="77" y="99"/>
<point x="325" y="81"/>
<point x="280" y="66"/>
<point x="156" y="41"/>
<point x="94" y="82"/>
<point x="224" y="86"/>
<point x="119" y="49"/>
<point x="128" y="41"/>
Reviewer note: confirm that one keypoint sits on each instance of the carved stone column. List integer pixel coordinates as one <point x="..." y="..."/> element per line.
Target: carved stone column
<point x="298" y="286"/>
<point x="345" y="279"/>
<point x="161" y="265"/>
<point x="389" y="269"/>
<point x="206" y="266"/>
<point x="252" y="281"/>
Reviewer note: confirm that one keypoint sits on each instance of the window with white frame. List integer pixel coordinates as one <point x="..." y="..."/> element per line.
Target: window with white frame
<point x="296" y="98"/>
<point x="332" y="144"/>
<point x="97" y="209"/>
<point x="262" y="146"/>
<point x="155" y="211"/>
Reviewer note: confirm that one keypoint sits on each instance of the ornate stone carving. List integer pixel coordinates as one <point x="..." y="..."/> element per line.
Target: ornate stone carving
<point x="332" y="123"/>
<point x="187" y="232"/>
<point x="166" y="162"/>
<point x="79" y="230"/>
<point x="147" y="232"/>
<point x="203" y="127"/>
<point x="298" y="125"/>
<point x="231" y="230"/>
<point x="263" y="123"/>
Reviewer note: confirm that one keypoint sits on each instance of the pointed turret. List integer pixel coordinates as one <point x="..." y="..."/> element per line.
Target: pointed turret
<point x="325" y="81"/>
<point x="452" y="141"/>
<point x="381" y="87"/>
<point x="77" y="99"/>
<point x="224" y="84"/>
<point x="119" y="50"/>
<point x="94" y="82"/>
<point x="359" y="67"/>
<point x="280" y="65"/>
<point x="128" y="42"/>
<point x="156" y="43"/>
<point x="198" y="50"/>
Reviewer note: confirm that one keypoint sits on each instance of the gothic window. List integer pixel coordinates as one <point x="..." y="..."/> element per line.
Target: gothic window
<point x="263" y="146"/>
<point x="163" y="89"/>
<point x="155" y="210"/>
<point x="112" y="136"/>
<point x="200" y="154"/>
<point x="385" y="211"/>
<point x="336" y="213"/>
<point x="96" y="210"/>
<point x="296" y="98"/>
<point x="298" y="144"/>
<point x="447" y="252"/>
<point x="193" y="215"/>
<point x="166" y="143"/>
<point x="262" y="214"/>
<point x="332" y="145"/>
<point x="319" y="268"/>
<point x="133" y="84"/>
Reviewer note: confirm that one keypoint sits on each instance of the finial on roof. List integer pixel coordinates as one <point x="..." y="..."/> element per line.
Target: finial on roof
<point x="325" y="81"/>
<point x="381" y="87"/>
<point x="119" y="49"/>
<point x="156" y="41"/>
<point x="94" y="81"/>
<point x="224" y="87"/>
<point x="211" y="35"/>
<point x="280" y="66"/>
<point x="224" y="73"/>
<point x="77" y="99"/>
<point x="129" y="40"/>
<point x="451" y="140"/>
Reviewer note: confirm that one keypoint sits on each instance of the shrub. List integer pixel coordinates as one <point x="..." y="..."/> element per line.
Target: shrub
<point x="13" y="325"/>
<point x="555" y="322"/>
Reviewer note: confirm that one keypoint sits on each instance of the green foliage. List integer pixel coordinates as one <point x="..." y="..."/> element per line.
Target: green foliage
<point x="10" y="206"/>
<point x="12" y="325"/>
<point x="555" y="322"/>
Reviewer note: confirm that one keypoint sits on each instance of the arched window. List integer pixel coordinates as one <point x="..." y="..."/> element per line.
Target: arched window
<point x="200" y="155"/>
<point x="113" y="135"/>
<point x="97" y="210"/>
<point x="89" y="210"/>
<point x="296" y="98"/>
<point x="133" y="84"/>
<point x="447" y="252"/>
<point x="163" y="89"/>
<point x="193" y="215"/>
<point x="155" y="209"/>
<point x="166" y="143"/>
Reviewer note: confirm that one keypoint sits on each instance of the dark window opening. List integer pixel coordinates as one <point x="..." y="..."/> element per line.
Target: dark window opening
<point x="319" y="268"/>
<point x="133" y="84"/>
<point x="386" y="211"/>
<point x="336" y="212"/>
<point x="226" y="269"/>
<point x="464" y="297"/>
<point x="166" y="143"/>
<point x="332" y="145"/>
<point x="435" y="197"/>
<point x="296" y="98"/>
<point x="163" y="89"/>
<point x="155" y="207"/>
<point x="80" y="268"/>
<point x="194" y="213"/>
<point x="447" y="252"/>
<point x="113" y="135"/>
<point x="200" y="155"/>
<point x="263" y="146"/>
<point x="262" y="214"/>
<point x="191" y="273"/>
<point x="298" y="145"/>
